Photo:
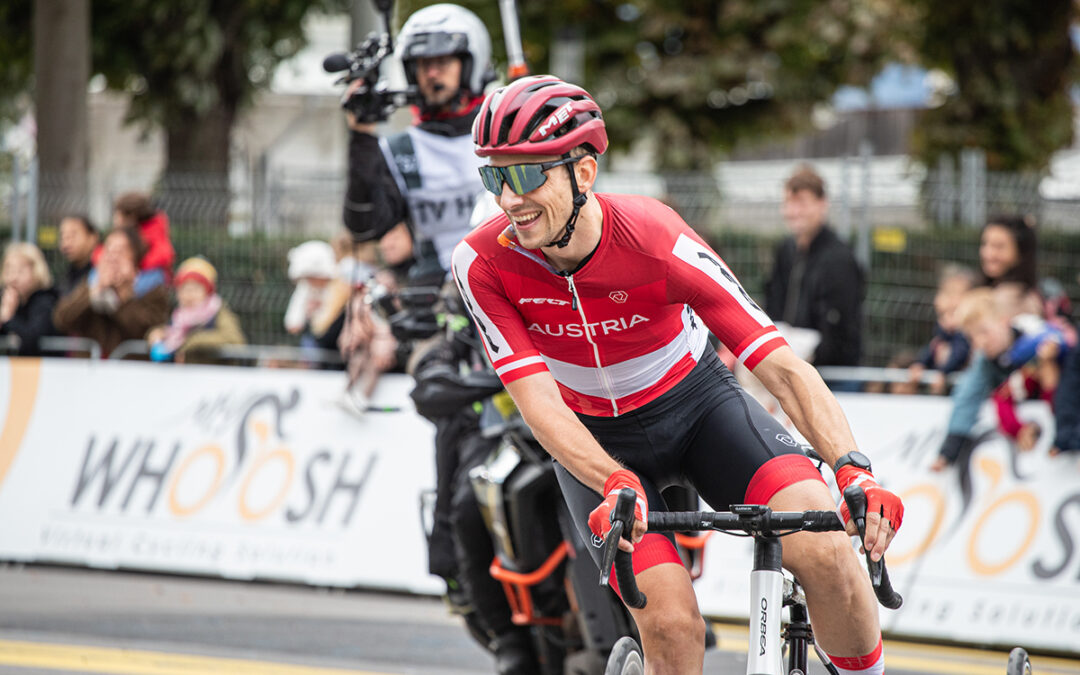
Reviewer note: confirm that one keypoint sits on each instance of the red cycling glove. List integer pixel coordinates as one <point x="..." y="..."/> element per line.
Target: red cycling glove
<point x="600" y="518"/>
<point x="878" y="499"/>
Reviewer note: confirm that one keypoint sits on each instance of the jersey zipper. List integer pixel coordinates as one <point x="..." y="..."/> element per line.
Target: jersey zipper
<point x="575" y="303"/>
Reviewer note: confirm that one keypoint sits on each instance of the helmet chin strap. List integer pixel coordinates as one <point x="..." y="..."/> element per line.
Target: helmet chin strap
<point x="579" y="201"/>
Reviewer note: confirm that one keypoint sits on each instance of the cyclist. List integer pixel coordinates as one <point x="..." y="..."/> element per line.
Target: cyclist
<point x="590" y="307"/>
<point x="424" y="180"/>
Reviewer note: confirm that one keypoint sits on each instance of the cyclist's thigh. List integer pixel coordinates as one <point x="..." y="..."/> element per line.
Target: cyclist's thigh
<point x="741" y="454"/>
<point x="581" y="500"/>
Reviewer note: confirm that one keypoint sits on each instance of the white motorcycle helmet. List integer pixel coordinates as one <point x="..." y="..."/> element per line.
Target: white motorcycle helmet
<point x="442" y="30"/>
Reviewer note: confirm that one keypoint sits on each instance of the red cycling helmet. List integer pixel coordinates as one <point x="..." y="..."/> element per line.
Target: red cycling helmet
<point x="539" y="115"/>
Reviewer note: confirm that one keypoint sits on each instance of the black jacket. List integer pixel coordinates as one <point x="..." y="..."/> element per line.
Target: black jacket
<point x="32" y="321"/>
<point x="826" y="287"/>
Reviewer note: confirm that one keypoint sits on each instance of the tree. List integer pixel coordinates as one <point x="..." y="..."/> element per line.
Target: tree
<point x="190" y="69"/>
<point x="61" y="71"/>
<point x="701" y="76"/>
<point x="1013" y="63"/>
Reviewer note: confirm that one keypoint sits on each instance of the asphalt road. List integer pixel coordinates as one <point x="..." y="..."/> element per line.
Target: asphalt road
<point x="67" y="620"/>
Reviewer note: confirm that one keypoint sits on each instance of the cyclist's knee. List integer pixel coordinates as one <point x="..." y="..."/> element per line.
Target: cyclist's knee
<point x="676" y="627"/>
<point x="822" y="559"/>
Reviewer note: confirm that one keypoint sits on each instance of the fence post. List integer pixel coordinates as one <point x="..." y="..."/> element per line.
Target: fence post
<point x="943" y="191"/>
<point x="32" y="201"/>
<point x="862" y="244"/>
<point x="972" y="187"/>
<point x="845" y="199"/>
<point x="16" y="205"/>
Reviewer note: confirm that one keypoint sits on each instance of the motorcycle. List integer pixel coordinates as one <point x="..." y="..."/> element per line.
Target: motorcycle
<point x="548" y="576"/>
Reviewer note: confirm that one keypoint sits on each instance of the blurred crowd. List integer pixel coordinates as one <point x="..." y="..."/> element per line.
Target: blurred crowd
<point x="1002" y="332"/>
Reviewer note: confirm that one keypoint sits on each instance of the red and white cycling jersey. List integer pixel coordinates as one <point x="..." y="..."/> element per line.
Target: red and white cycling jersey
<point x="623" y="328"/>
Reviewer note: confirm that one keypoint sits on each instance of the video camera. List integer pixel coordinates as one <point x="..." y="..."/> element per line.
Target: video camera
<point x="373" y="101"/>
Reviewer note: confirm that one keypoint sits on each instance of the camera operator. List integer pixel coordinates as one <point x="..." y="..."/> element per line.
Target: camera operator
<point x="424" y="183"/>
<point x="427" y="175"/>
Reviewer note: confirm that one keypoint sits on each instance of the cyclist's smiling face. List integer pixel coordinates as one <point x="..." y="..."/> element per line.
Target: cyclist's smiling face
<point x="539" y="216"/>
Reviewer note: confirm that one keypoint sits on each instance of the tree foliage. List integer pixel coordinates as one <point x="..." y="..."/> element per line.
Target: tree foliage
<point x="16" y="56"/>
<point x="704" y="75"/>
<point x="1013" y="63"/>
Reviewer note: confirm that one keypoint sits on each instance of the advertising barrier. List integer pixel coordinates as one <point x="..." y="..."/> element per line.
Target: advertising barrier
<point x="234" y="472"/>
<point x="257" y="474"/>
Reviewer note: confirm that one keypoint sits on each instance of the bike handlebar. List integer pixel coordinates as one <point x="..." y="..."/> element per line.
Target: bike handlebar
<point x="750" y="518"/>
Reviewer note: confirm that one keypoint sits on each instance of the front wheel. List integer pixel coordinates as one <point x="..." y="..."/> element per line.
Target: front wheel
<point x="1019" y="663"/>
<point x="625" y="658"/>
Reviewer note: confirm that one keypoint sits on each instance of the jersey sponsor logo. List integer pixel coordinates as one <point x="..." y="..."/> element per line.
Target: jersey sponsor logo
<point x="576" y="330"/>
<point x="561" y="114"/>
<point x="618" y="296"/>
<point x="542" y="301"/>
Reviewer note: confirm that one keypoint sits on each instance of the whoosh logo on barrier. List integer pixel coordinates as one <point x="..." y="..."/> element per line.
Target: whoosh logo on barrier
<point x="258" y="475"/>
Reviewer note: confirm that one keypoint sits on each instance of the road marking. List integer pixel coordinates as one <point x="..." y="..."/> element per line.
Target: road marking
<point x="937" y="659"/>
<point x="113" y="661"/>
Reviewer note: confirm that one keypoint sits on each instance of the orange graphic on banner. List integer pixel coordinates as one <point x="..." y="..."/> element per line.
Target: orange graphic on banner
<point x="25" y="376"/>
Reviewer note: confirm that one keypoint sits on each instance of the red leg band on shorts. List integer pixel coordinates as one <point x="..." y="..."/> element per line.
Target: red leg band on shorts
<point x="778" y="473"/>
<point x="653" y="549"/>
<point x="857" y="662"/>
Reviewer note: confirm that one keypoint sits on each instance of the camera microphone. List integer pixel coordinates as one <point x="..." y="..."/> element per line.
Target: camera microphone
<point x="335" y="63"/>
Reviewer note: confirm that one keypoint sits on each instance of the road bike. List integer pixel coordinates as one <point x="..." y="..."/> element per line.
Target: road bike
<point x="775" y="650"/>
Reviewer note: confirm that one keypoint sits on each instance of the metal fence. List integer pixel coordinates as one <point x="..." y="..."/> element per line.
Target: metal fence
<point x="903" y="221"/>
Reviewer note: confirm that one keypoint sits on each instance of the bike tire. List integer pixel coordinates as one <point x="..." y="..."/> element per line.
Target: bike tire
<point x="625" y="658"/>
<point x="1019" y="663"/>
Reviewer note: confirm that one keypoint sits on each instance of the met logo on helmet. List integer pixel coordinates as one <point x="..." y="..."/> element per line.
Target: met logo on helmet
<point x="561" y="114"/>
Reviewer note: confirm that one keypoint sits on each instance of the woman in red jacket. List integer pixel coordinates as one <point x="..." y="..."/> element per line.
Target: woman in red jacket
<point x="135" y="210"/>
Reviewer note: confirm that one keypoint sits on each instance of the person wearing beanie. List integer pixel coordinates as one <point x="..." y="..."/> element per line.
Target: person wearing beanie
<point x="200" y="323"/>
<point x="312" y="266"/>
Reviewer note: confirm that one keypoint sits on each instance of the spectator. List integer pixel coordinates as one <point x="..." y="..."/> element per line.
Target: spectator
<point x="78" y="240"/>
<point x="948" y="350"/>
<point x="200" y="323"/>
<point x="369" y="350"/>
<point x="1008" y="341"/>
<point x="815" y="281"/>
<point x="135" y="211"/>
<point x="116" y="302"/>
<point x="1067" y="406"/>
<point x="28" y="298"/>
<point x="311" y="268"/>
<point x="327" y="323"/>
<point x="1007" y="260"/>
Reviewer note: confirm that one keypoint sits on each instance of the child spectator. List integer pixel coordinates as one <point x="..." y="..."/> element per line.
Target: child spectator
<point x="201" y="321"/>
<point x="311" y="267"/>
<point x="135" y="211"/>
<point x="28" y="298"/>
<point x="1009" y="342"/>
<point x="116" y="302"/>
<point x="78" y="240"/>
<point x="948" y="349"/>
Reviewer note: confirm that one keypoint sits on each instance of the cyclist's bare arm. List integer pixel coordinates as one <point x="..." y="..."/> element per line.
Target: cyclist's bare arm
<point x="818" y="417"/>
<point x="565" y="438"/>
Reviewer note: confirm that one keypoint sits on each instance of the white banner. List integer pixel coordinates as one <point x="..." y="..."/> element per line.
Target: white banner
<point x="247" y="473"/>
<point x="236" y="472"/>
<point x="987" y="552"/>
